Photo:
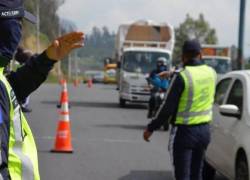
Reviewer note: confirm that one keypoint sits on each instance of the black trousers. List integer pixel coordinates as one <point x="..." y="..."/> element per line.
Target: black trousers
<point x="187" y="146"/>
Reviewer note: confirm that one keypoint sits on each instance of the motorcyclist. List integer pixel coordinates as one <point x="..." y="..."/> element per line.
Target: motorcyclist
<point x="157" y="83"/>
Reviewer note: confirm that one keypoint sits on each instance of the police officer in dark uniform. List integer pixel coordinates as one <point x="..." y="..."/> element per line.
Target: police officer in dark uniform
<point x="188" y="106"/>
<point x="18" y="153"/>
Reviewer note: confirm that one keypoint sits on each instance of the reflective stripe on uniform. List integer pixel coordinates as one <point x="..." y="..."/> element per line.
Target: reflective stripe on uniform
<point x="187" y="115"/>
<point x="26" y="163"/>
<point x="17" y="125"/>
<point x="27" y="167"/>
<point x="190" y="95"/>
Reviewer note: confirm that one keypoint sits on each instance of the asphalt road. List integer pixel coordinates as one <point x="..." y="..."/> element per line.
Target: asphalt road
<point x="107" y="140"/>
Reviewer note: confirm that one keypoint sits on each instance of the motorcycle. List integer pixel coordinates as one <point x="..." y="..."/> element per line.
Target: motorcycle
<point x="156" y="99"/>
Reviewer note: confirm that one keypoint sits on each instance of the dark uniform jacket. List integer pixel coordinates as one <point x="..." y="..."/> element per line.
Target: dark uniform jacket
<point x="24" y="81"/>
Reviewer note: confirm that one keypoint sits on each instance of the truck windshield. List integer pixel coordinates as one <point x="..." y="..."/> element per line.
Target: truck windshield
<point x="142" y="62"/>
<point x="221" y="66"/>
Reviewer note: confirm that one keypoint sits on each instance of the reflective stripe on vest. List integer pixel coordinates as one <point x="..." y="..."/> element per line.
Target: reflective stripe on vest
<point x="27" y="166"/>
<point x="22" y="160"/>
<point x="192" y="110"/>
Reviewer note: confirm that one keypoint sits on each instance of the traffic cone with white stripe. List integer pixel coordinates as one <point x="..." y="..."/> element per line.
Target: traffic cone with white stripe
<point x="64" y="92"/>
<point x="63" y="136"/>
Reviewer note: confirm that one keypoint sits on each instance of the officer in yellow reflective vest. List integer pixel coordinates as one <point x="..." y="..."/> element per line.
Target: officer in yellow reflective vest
<point x="188" y="107"/>
<point x="18" y="153"/>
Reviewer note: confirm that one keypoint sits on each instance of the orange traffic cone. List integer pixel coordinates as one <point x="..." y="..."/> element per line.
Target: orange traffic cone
<point x="90" y="83"/>
<point x="63" y="137"/>
<point x="61" y="81"/>
<point x="64" y="92"/>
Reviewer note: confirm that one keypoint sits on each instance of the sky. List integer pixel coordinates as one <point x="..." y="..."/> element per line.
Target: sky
<point x="223" y="15"/>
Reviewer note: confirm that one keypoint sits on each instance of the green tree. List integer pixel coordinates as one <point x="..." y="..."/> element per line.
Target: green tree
<point x="49" y="20"/>
<point x="99" y="45"/>
<point x="193" y="29"/>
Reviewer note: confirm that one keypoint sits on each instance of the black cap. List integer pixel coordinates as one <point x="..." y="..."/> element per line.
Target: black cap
<point x="191" y="46"/>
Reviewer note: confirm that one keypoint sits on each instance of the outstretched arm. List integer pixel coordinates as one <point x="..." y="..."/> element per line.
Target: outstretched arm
<point x="30" y="76"/>
<point x="168" y="108"/>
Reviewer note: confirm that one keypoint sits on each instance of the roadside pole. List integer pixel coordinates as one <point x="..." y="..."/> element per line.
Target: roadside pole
<point x="59" y="64"/>
<point x="69" y="66"/>
<point x="76" y="66"/>
<point x="38" y="27"/>
<point x="240" y="59"/>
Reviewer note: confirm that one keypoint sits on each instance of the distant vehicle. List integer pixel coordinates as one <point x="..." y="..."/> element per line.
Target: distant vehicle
<point x="109" y="71"/>
<point x="138" y="46"/>
<point x="218" y="57"/>
<point x="229" y="150"/>
<point x="96" y="76"/>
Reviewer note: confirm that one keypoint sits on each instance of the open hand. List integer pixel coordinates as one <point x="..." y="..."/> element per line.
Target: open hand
<point x="63" y="45"/>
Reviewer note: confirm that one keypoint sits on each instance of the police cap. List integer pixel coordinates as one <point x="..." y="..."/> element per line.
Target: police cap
<point x="191" y="46"/>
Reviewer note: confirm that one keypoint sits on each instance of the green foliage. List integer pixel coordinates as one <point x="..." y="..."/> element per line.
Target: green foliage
<point x="193" y="29"/>
<point x="247" y="65"/>
<point x="50" y="24"/>
<point x="44" y="39"/>
<point x="49" y="20"/>
<point x="48" y="17"/>
<point x="99" y="44"/>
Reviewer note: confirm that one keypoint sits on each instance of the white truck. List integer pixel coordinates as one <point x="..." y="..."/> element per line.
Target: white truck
<point x="138" y="46"/>
<point x="218" y="57"/>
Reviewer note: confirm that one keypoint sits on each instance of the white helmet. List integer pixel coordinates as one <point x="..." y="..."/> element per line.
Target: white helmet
<point x="162" y="60"/>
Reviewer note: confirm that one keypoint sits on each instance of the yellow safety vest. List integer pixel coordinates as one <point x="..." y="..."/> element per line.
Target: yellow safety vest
<point x="195" y="105"/>
<point x="22" y="159"/>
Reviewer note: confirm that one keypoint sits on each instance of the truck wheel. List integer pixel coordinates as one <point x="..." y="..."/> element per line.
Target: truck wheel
<point x="208" y="172"/>
<point x="122" y="102"/>
<point x="241" y="169"/>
